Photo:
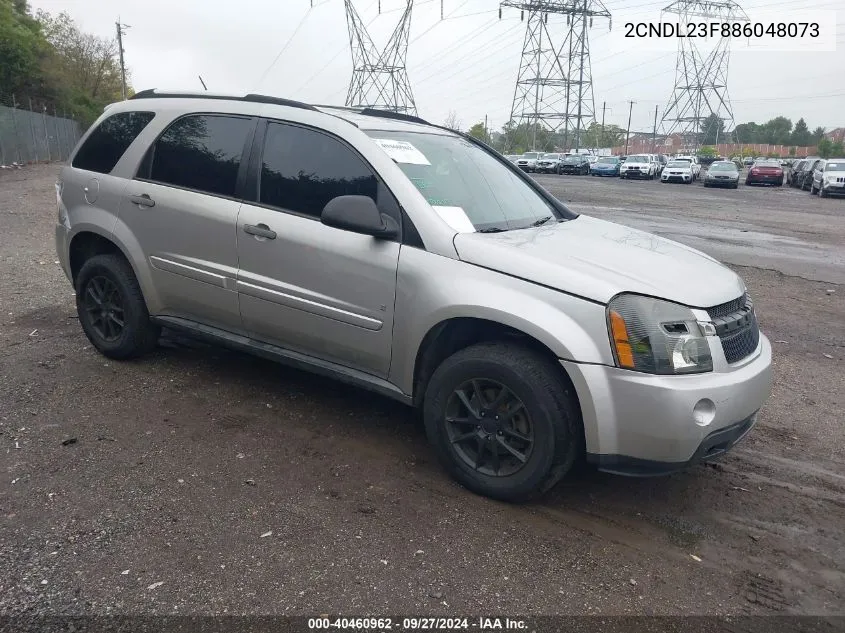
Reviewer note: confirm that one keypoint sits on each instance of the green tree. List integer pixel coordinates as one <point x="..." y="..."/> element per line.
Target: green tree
<point x="707" y="152"/>
<point x="818" y="134"/>
<point x="828" y="148"/>
<point x="713" y="130"/>
<point x="480" y="132"/>
<point x="22" y="48"/>
<point x="801" y="134"/>
<point x="594" y="136"/>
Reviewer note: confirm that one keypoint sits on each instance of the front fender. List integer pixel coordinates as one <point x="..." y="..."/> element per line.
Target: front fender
<point x="432" y="289"/>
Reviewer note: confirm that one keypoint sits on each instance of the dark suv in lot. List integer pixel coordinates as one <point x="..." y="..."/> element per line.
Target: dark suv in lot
<point x="575" y="164"/>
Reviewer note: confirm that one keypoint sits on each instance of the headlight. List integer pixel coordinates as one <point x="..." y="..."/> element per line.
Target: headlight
<point x="656" y="336"/>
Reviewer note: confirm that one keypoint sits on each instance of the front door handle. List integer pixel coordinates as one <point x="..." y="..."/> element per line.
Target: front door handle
<point x="143" y="200"/>
<point x="260" y="230"/>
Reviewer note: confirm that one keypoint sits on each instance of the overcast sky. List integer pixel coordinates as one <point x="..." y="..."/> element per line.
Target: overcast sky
<point x="467" y="62"/>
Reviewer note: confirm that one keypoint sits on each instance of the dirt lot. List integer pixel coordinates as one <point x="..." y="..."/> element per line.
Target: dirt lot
<point x="198" y="480"/>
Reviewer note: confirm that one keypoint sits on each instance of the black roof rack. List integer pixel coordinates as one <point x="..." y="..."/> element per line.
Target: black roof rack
<point x="252" y="98"/>
<point x="388" y="114"/>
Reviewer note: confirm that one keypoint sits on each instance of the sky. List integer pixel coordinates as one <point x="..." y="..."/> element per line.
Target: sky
<point x="466" y="63"/>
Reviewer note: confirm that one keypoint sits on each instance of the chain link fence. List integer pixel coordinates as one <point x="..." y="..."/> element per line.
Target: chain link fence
<point x="34" y="133"/>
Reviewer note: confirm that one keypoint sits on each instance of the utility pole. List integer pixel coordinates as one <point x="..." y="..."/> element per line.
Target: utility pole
<point x="120" y="33"/>
<point x="628" y="131"/>
<point x="654" y="132"/>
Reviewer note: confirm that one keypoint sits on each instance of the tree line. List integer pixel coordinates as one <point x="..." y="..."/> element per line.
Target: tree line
<point x="519" y="138"/>
<point x="50" y="60"/>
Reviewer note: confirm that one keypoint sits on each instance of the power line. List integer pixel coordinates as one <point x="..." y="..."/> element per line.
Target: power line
<point x="285" y="47"/>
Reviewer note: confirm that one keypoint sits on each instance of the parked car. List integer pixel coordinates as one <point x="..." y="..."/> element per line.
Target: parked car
<point x="677" y="171"/>
<point x="575" y="164"/>
<point x="805" y="176"/>
<point x="748" y="161"/>
<point x="513" y="157"/>
<point x="794" y="170"/>
<point x="829" y="178"/>
<point x="549" y="163"/>
<point x="694" y="165"/>
<point x="638" y="166"/>
<point x="592" y="158"/>
<point x="606" y="166"/>
<point x="722" y="173"/>
<point x="766" y="171"/>
<point x="557" y="335"/>
<point x="528" y="161"/>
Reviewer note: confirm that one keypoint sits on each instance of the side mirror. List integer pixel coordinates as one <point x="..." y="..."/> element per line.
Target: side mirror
<point x="359" y="214"/>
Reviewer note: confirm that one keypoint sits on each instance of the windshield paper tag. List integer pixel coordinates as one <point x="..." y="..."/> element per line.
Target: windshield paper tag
<point x="402" y="152"/>
<point x="456" y="218"/>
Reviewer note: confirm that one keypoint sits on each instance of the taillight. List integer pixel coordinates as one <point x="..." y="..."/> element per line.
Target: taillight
<point x="754" y="171"/>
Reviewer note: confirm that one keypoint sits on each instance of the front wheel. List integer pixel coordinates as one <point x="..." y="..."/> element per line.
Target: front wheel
<point x="503" y="420"/>
<point x="822" y="193"/>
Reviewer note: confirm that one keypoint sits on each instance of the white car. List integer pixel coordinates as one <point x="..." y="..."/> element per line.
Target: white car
<point x="638" y="166"/>
<point x="528" y="161"/>
<point x="694" y="165"/>
<point x="677" y="171"/>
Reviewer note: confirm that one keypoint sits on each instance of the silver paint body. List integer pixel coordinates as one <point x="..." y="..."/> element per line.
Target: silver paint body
<point x="350" y="302"/>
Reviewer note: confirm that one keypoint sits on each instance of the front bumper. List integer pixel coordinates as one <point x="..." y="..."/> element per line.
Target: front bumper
<point x="604" y="172"/>
<point x="635" y="173"/>
<point x="721" y="182"/>
<point x="636" y="423"/>
<point x="834" y="188"/>
<point x="676" y="177"/>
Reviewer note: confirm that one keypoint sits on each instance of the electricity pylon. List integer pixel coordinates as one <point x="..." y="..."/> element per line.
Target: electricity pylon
<point x="701" y="75"/>
<point x="379" y="78"/>
<point x="554" y="87"/>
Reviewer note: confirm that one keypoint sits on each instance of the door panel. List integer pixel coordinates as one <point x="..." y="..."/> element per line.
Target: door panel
<point x="318" y="290"/>
<point x="183" y="209"/>
<point x="305" y="286"/>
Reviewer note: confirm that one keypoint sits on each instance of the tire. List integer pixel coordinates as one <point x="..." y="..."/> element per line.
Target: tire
<point x="822" y="193"/>
<point x="812" y="188"/>
<point x="780" y="183"/>
<point x="550" y="416"/>
<point x="106" y="289"/>
<point x="736" y="186"/>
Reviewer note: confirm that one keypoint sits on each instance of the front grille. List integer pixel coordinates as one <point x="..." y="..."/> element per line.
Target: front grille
<point x="736" y="327"/>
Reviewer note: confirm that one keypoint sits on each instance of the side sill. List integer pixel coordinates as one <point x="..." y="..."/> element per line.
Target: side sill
<point x="284" y="356"/>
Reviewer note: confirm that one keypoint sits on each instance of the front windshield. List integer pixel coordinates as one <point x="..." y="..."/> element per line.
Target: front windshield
<point x="609" y="161"/>
<point x="678" y="164"/>
<point x="573" y="159"/>
<point x="467" y="187"/>
<point x="550" y="155"/>
<point x="683" y="160"/>
<point x="530" y="155"/>
<point x="639" y="159"/>
<point x="722" y="167"/>
<point x="839" y="166"/>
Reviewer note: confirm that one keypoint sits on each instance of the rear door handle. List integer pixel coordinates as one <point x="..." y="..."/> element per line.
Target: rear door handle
<point x="143" y="200"/>
<point x="260" y="230"/>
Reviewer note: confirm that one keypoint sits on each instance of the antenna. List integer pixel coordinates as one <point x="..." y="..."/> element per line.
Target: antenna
<point x="204" y="87"/>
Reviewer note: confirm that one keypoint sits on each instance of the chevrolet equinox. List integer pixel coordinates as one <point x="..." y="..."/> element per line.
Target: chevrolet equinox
<point x="418" y="263"/>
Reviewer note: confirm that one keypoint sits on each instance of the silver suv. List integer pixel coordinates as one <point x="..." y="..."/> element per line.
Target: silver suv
<point x="415" y="262"/>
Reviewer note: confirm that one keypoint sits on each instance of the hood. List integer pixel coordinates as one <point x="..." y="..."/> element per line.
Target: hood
<point x="605" y="166"/>
<point x="597" y="259"/>
<point x="631" y="163"/>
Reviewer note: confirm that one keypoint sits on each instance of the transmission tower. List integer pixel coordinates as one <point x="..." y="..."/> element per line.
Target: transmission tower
<point x="554" y="87"/>
<point x="701" y="75"/>
<point x="379" y="78"/>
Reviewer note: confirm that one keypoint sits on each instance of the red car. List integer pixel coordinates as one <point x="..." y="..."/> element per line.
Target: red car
<point x="765" y="172"/>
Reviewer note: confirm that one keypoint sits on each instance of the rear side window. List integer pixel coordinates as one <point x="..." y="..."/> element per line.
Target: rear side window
<point x="199" y="152"/>
<point x="302" y="170"/>
<point x="107" y="143"/>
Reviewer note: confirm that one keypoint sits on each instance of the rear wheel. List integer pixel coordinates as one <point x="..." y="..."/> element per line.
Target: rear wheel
<point x="503" y="420"/>
<point x="112" y="310"/>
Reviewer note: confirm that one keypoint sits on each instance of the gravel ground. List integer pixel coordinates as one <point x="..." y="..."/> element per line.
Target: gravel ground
<point x="198" y="480"/>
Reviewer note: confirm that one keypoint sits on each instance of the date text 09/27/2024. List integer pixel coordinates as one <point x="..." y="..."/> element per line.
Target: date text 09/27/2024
<point x="481" y="624"/>
<point x="646" y="30"/>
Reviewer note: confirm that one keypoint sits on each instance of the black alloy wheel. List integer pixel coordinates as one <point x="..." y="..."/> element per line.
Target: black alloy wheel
<point x="103" y="306"/>
<point x="489" y="428"/>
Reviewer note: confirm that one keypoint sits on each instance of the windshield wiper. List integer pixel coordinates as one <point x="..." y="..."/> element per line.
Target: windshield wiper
<point x="492" y="229"/>
<point x="541" y="221"/>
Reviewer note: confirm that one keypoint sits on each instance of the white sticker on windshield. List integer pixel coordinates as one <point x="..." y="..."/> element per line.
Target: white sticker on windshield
<point x="402" y="152"/>
<point x="456" y="218"/>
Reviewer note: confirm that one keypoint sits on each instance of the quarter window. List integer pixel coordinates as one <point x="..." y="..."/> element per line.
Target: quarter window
<point x="302" y="170"/>
<point x="107" y="143"/>
<point x="200" y="152"/>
